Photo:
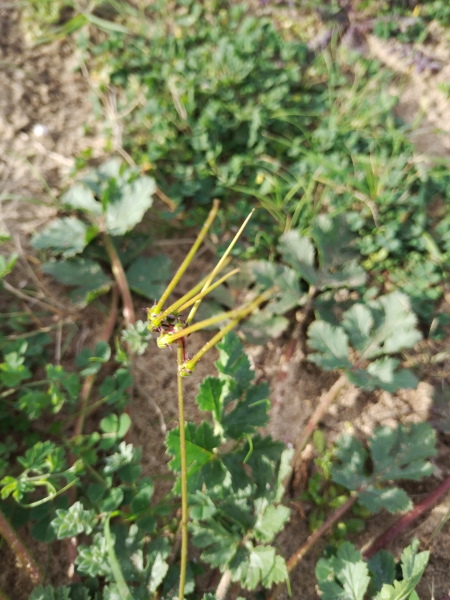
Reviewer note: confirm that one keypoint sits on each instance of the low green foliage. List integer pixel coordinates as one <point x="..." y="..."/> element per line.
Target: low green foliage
<point x="363" y="344"/>
<point x="347" y="575"/>
<point x="109" y="202"/>
<point x="224" y="104"/>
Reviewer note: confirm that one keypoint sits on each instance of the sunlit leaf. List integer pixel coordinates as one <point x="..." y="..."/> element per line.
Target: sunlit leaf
<point x="66" y="236"/>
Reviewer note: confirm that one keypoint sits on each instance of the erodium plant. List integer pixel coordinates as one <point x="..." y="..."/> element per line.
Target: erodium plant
<point x="173" y="329"/>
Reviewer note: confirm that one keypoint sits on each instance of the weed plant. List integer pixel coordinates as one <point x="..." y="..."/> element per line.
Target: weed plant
<point x="219" y="103"/>
<point x="231" y="477"/>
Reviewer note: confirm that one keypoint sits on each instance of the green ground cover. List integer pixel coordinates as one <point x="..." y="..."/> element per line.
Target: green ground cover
<point x="216" y="101"/>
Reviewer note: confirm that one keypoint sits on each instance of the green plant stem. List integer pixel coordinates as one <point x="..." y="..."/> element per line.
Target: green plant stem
<point x="122" y="586"/>
<point x="23" y="555"/>
<point x="188" y="259"/>
<point x="184" y="490"/>
<point x="51" y="496"/>
<point x="121" y="280"/>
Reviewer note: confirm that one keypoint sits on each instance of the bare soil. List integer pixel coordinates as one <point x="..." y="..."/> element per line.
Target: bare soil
<point x="45" y="121"/>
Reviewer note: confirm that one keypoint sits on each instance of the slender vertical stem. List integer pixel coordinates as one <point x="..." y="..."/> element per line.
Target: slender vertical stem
<point x="184" y="491"/>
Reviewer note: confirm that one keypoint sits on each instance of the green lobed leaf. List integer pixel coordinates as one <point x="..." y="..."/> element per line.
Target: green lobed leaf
<point x="93" y="560"/>
<point x="204" y="467"/>
<point x="33" y="403"/>
<point x="358" y="323"/>
<point x="136" y="336"/>
<point x="344" y="576"/>
<point x="7" y="264"/>
<point x="394" y="326"/>
<point x="392" y="499"/>
<point x="382" y="374"/>
<point x="115" y="389"/>
<point x="86" y="276"/>
<point x="157" y="553"/>
<point x="67" y="236"/>
<point x="395" y="454"/>
<point x="299" y="253"/>
<point x="332" y="342"/>
<point x="380" y="327"/>
<point x="116" y="425"/>
<point x="80" y="197"/>
<point x="43" y="457"/>
<point x="111" y="500"/>
<point x="63" y="386"/>
<point x="249" y="413"/>
<point x="141" y="499"/>
<point x="260" y="566"/>
<point x="233" y="362"/>
<point x="12" y="370"/>
<point x="338" y="266"/>
<point x="267" y="274"/>
<point x="219" y="544"/>
<point x="262" y="327"/>
<point x="126" y="208"/>
<point x="49" y="592"/>
<point x="17" y="487"/>
<point x="209" y="396"/>
<point x="350" y="468"/>
<point x="413" y="565"/>
<point x="125" y="455"/>
<point x="402" y="453"/>
<point x="91" y="361"/>
<point x="382" y="570"/>
<point x="72" y="522"/>
<point x="270" y="521"/>
<point x="148" y="276"/>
